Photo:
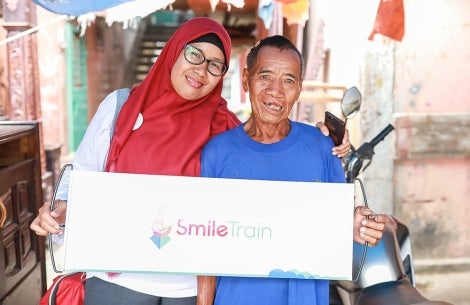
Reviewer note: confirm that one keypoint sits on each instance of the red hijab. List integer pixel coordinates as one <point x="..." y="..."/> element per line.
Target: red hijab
<point x="174" y="130"/>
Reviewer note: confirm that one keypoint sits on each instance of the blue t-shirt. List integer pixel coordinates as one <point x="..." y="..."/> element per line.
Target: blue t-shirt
<point x="304" y="155"/>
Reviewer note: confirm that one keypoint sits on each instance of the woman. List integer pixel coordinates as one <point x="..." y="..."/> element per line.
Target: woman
<point x="161" y="129"/>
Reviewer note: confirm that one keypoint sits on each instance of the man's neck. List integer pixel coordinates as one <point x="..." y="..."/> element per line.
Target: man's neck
<point x="266" y="133"/>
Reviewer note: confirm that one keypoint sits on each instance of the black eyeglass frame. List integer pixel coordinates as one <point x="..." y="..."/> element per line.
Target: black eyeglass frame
<point x="204" y="59"/>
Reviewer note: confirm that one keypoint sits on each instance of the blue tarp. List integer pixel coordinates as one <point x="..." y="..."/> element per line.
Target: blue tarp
<point x="78" y="7"/>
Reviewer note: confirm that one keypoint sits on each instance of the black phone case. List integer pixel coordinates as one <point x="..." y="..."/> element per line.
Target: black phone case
<point x="336" y="126"/>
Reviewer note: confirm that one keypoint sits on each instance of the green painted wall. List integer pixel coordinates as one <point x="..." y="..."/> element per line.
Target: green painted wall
<point x="76" y="63"/>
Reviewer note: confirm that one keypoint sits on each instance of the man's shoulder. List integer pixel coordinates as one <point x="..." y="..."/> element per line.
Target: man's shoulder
<point x="304" y="127"/>
<point x="222" y="138"/>
<point x="312" y="134"/>
<point x="226" y="134"/>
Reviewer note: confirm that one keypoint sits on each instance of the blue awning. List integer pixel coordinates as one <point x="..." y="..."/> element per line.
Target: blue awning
<point x="78" y="7"/>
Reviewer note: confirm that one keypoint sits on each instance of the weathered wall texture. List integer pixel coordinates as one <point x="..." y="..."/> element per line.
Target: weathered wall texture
<point x="105" y="72"/>
<point x="421" y="172"/>
<point x="52" y="71"/>
<point x="432" y="166"/>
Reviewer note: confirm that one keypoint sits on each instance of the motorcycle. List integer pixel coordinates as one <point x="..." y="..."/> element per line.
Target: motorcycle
<point x="383" y="274"/>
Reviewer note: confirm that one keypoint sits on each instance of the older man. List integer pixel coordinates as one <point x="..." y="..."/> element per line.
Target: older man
<point x="269" y="146"/>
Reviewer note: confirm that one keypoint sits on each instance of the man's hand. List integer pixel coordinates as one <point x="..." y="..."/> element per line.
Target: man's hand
<point x="340" y="150"/>
<point x="368" y="227"/>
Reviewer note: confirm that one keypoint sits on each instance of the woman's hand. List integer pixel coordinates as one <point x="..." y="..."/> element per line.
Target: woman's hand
<point x="342" y="149"/>
<point x="49" y="221"/>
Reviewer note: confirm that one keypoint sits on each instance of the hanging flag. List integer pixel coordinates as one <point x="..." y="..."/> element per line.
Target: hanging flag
<point x="77" y="8"/>
<point x="295" y="11"/>
<point x="132" y="9"/>
<point x="390" y="20"/>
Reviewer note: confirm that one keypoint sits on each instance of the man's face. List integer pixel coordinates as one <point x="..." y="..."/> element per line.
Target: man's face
<point x="274" y="84"/>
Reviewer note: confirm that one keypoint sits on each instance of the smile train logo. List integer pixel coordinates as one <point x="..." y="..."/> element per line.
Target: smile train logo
<point x="160" y="236"/>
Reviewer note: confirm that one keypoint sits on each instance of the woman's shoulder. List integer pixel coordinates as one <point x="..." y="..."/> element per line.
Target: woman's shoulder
<point x="112" y="103"/>
<point x="107" y="111"/>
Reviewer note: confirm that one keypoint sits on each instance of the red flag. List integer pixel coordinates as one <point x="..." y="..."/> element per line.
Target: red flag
<point x="390" y="20"/>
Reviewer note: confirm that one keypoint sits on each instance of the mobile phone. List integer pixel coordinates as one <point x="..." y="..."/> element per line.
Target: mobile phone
<point x="336" y="127"/>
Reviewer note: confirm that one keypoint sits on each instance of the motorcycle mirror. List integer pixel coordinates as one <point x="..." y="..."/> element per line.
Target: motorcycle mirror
<point x="351" y="102"/>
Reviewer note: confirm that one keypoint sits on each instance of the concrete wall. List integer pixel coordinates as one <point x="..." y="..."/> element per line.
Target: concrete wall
<point x="432" y="180"/>
<point x="52" y="71"/>
<point x="421" y="172"/>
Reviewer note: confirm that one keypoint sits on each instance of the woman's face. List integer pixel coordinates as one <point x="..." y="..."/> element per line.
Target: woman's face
<point x="192" y="81"/>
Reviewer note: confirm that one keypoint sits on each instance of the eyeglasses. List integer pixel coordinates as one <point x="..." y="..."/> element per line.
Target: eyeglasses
<point x="195" y="56"/>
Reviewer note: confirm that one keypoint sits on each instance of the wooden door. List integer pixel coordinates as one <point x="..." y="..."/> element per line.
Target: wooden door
<point x="22" y="262"/>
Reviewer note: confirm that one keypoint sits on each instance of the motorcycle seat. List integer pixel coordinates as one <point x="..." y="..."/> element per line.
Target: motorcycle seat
<point x="400" y="292"/>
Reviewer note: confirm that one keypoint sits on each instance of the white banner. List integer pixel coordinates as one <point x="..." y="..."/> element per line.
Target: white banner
<point x="150" y="223"/>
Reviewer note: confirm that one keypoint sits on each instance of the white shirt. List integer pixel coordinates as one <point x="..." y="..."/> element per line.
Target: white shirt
<point x="91" y="155"/>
